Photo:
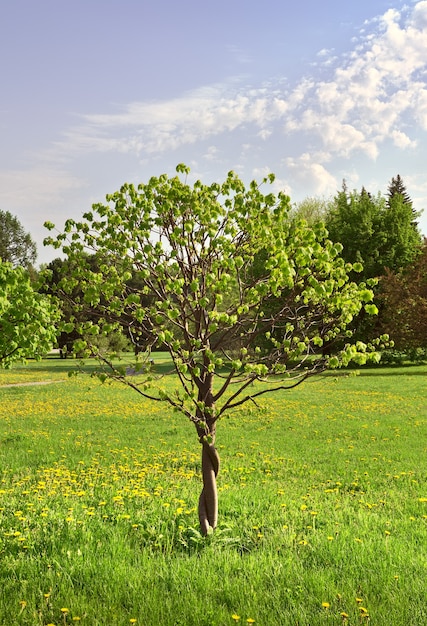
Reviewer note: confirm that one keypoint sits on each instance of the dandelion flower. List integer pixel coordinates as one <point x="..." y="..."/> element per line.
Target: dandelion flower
<point x="235" y="617"/>
<point x="326" y="605"/>
<point x="250" y="620"/>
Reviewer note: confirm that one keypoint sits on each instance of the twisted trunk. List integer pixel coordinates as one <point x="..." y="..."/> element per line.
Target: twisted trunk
<point x="208" y="501"/>
<point x="206" y="430"/>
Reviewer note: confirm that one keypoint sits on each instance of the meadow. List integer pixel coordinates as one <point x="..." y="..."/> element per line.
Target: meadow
<point x="323" y="505"/>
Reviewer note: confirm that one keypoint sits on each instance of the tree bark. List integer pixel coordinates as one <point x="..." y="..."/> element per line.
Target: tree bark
<point x="208" y="501"/>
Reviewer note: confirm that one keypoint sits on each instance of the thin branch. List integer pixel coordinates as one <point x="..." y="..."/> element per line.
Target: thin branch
<point x="260" y="393"/>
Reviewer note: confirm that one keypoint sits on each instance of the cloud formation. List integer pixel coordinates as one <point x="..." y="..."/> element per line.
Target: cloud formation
<point x="374" y="95"/>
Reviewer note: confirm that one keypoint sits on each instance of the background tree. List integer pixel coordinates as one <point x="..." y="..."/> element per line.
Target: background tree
<point x="72" y="311"/>
<point x="27" y="318"/>
<point x="16" y="246"/>
<point x="397" y="187"/>
<point x="404" y="304"/>
<point x="399" y="238"/>
<point x="354" y="220"/>
<point x="313" y="209"/>
<point x="193" y="251"/>
<point x="376" y="231"/>
<point x="380" y="233"/>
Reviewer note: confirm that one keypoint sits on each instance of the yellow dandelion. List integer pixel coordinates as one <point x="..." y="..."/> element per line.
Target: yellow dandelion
<point x="235" y="617"/>
<point x="133" y="620"/>
<point x="65" y="610"/>
<point x="326" y="605"/>
<point x="250" y="620"/>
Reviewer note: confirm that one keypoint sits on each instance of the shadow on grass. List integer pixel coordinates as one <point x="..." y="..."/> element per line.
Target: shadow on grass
<point x="53" y="363"/>
<point x="409" y="369"/>
<point x="163" y="366"/>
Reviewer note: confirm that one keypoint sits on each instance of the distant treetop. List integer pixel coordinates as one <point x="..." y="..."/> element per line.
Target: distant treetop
<point x="16" y="246"/>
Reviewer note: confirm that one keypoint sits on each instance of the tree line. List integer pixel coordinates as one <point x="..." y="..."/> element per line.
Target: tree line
<point x="381" y="232"/>
<point x="378" y="233"/>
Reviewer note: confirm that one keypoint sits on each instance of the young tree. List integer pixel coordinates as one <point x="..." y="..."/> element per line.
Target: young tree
<point x="201" y="294"/>
<point x="16" y="246"/>
<point x="27" y="318"/>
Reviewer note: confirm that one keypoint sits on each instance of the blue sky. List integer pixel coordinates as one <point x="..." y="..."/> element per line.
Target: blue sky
<point x="98" y="92"/>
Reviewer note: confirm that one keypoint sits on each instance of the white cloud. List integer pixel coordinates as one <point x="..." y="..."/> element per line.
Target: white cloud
<point x="366" y="100"/>
<point x="37" y="187"/>
<point x="311" y="175"/>
<point x="401" y="140"/>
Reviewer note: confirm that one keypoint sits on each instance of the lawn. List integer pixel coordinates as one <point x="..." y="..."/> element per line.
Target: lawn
<point x="323" y="505"/>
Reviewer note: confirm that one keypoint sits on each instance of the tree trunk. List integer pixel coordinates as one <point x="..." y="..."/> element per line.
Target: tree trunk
<point x="208" y="501"/>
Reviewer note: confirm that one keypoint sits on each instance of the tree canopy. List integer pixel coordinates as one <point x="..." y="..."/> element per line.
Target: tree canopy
<point x="27" y="318"/>
<point x="205" y="271"/>
<point x="16" y="245"/>
<point x="404" y="304"/>
<point x="377" y="231"/>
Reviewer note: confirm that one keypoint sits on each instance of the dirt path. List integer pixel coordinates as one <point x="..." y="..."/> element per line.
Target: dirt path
<point x="35" y="382"/>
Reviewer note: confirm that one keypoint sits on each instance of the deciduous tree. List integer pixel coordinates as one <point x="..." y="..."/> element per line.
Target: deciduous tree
<point x="198" y="294"/>
<point x="404" y="304"/>
<point x="27" y="318"/>
<point x="16" y="245"/>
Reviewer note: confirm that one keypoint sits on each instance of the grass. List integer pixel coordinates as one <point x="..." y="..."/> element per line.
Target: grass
<point x="323" y="506"/>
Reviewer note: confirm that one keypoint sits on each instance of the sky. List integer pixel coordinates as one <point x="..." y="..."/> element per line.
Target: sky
<point x="95" y="93"/>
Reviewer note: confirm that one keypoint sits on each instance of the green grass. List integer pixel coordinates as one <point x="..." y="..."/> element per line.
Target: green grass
<point x="323" y="505"/>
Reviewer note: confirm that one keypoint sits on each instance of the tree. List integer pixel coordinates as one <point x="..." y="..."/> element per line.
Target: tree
<point x="67" y="303"/>
<point x="401" y="239"/>
<point x="16" y="246"/>
<point x="313" y="209"/>
<point x="397" y="187"/>
<point x="378" y="232"/>
<point x="27" y="318"/>
<point x="404" y="304"/>
<point x="202" y="296"/>
<point x="354" y="220"/>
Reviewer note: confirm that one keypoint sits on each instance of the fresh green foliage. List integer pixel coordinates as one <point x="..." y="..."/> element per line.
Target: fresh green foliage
<point x="16" y="246"/>
<point x="27" y="318"/>
<point x="176" y="269"/>
<point x="323" y="505"/>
